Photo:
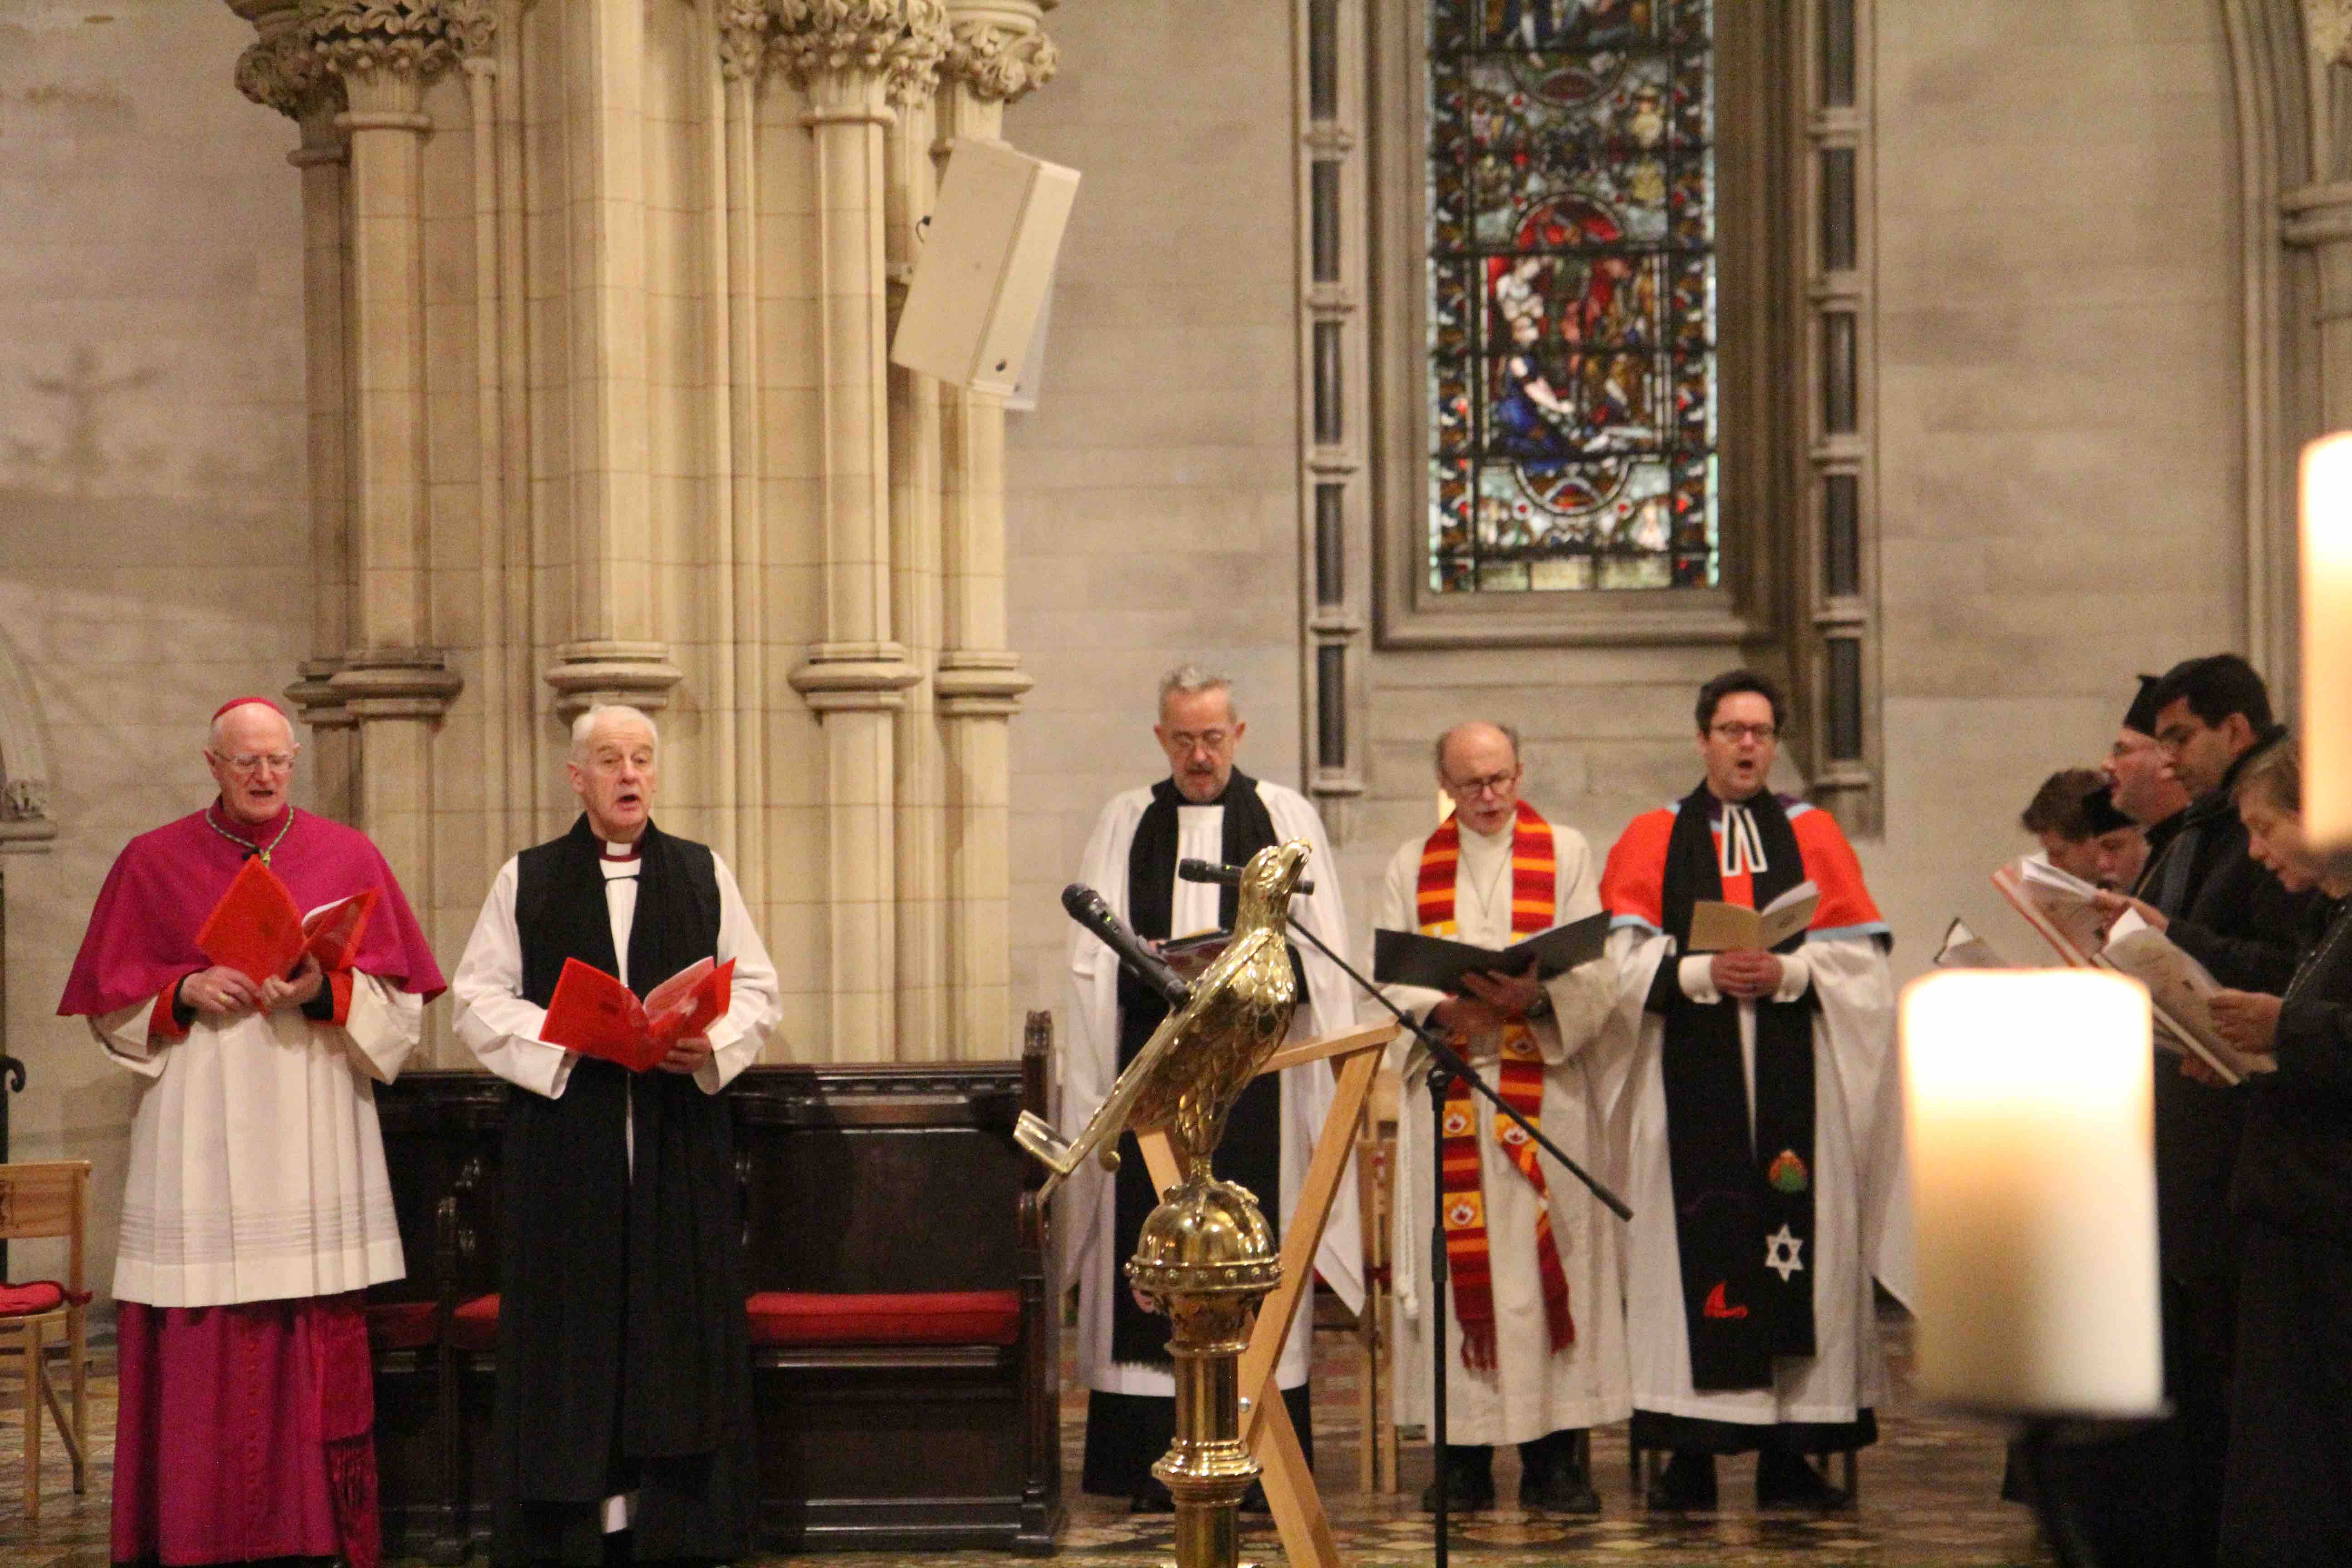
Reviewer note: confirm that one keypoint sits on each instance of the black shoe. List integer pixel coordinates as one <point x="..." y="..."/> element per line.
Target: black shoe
<point x="1469" y="1482"/>
<point x="1786" y="1480"/>
<point x="1561" y="1490"/>
<point x="1688" y="1482"/>
<point x="1152" y="1497"/>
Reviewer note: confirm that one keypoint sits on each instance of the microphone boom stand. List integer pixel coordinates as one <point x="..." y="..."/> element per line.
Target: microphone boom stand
<point x="1445" y="1065"/>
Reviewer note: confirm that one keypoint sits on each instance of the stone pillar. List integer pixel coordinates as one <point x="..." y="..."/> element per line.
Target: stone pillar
<point x="998" y="55"/>
<point x="390" y="677"/>
<point x="613" y="655"/>
<point x="917" y="612"/>
<point x="281" y="71"/>
<point x="848" y="55"/>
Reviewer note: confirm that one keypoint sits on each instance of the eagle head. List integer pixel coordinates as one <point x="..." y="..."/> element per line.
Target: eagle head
<point x="1267" y="882"/>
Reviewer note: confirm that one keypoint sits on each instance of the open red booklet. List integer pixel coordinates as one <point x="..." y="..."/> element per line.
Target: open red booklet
<point x="594" y="1013"/>
<point x="256" y="931"/>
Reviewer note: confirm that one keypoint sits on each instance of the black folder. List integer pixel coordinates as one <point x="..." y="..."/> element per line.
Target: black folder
<point x="1408" y="958"/>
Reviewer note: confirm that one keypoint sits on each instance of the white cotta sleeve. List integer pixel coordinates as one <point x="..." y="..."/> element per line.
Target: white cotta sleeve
<point x="1629" y="1038"/>
<point x="1582" y="997"/>
<point x="1331" y="999"/>
<point x="1089" y="1036"/>
<point x="1855" y="989"/>
<point x="755" y="1000"/>
<point x="492" y="1018"/>
<point x="382" y="1027"/>
<point x="123" y="1033"/>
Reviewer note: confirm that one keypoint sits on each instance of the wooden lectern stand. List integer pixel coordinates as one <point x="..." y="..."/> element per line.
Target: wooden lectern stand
<point x="1306" y="1538"/>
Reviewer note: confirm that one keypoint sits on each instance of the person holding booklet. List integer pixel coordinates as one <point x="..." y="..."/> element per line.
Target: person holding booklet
<point x="1535" y="1326"/>
<point x="256" y="1208"/>
<point x="1756" y="1110"/>
<point x="2287" y="1489"/>
<point x="1205" y="809"/>
<point x="622" y="1424"/>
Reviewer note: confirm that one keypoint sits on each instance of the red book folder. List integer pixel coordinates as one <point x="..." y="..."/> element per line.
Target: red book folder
<point x="332" y="933"/>
<point x="255" y="928"/>
<point x="594" y="1013"/>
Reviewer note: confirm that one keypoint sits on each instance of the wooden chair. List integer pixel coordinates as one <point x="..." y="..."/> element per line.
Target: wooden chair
<point x="51" y="1198"/>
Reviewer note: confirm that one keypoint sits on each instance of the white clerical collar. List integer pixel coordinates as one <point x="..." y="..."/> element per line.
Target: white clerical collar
<point x="615" y="850"/>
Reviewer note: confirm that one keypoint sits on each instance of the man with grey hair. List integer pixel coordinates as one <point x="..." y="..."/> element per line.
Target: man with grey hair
<point x="620" y="1329"/>
<point x="1205" y="809"/>
<point x="1534" y="1323"/>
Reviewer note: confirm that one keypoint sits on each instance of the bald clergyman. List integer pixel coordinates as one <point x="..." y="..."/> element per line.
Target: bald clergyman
<point x="1534" y="1328"/>
<point x="624" y="1419"/>
<point x="255" y="1209"/>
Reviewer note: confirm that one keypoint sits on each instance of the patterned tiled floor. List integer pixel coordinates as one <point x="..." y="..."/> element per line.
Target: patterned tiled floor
<point x="1928" y="1502"/>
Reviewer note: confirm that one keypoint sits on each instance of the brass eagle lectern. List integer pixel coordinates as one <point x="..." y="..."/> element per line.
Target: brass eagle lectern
<point x="1206" y="1254"/>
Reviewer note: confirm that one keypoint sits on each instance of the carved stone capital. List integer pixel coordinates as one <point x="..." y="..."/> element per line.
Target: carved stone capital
<point x="856" y="677"/>
<point x="404" y="38"/>
<point x="742" y="38"/>
<point x="282" y="70"/>
<point x="901" y="42"/>
<point x="396" y="683"/>
<point x="636" y="673"/>
<point x="2327" y="26"/>
<point x="998" y="51"/>
<point x="25" y="824"/>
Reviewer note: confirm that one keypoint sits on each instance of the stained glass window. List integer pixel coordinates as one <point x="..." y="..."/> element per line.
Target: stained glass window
<point x="1572" y="295"/>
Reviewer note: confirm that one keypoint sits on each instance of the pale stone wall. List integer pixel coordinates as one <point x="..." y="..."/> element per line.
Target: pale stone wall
<point x="160" y="564"/>
<point x="1152" y="499"/>
<point x="2059" y="410"/>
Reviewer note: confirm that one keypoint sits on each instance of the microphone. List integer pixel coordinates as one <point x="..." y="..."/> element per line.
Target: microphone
<point x="1223" y="876"/>
<point x="1086" y="907"/>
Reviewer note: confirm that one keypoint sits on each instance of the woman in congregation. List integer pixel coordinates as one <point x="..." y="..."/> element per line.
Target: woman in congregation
<point x="2287" y="1497"/>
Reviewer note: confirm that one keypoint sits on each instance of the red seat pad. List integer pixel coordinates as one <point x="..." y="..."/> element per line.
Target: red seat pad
<point x="26" y="1300"/>
<point x="914" y="1318"/>
<point x="474" y="1326"/>
<point x="399" y="1325"/>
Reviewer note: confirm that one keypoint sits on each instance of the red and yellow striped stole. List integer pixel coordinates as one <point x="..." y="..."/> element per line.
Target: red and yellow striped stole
<point x="1533" y="881"/>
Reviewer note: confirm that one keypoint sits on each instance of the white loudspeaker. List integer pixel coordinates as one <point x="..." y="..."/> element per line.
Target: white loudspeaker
<point x="986" y="262"/>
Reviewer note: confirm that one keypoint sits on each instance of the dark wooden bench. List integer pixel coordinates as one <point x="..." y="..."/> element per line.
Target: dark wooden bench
<point x="904" y="1338"/>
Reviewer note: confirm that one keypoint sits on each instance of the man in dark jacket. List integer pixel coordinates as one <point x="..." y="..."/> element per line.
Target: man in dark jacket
<point x="2211" y="716"/>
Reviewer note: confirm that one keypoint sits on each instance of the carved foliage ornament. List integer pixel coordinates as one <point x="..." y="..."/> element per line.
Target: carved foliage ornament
<point x="283" y="72"/>
<point x="408" y="37"/>
<point x="2327" y="24"/>
<point x="902" y="40"/>
<point x="1002" y="63"/>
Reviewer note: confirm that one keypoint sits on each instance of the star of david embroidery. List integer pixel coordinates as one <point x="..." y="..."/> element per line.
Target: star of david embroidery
<point x="1780" y="1249"/>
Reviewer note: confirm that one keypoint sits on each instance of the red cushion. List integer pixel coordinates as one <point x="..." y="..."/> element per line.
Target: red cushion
<point x="474" y="1326"/>
<point x="919" y="1318"/>
<point x="399" y="1325"/>
<point x="26" y="1300"/>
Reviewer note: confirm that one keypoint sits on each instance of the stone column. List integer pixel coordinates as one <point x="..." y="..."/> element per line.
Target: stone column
<point x="281" y="71"/>
<point x="917" y="612"/>
<point x="391" y="678"/>
<point x="847" y="55"/>
<point x="998" y="55"/>
<point x="613" y="655"/>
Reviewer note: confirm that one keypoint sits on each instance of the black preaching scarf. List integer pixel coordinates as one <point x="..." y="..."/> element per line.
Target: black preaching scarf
<point x="1251" y="1152"/>
<point x="622" y="1357"/>
<point x="1733" y="1198"/>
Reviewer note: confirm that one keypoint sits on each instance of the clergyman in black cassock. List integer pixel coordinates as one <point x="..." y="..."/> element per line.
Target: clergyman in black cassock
<point x="624" y="1376"/>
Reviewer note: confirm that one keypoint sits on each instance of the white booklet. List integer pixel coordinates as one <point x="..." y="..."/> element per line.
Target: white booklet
<point x="1718" y="927"/>
<point x="1964" y="949"/>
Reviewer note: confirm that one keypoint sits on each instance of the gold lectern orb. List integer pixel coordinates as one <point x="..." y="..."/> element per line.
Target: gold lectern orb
<point x="1208" y="1256"/>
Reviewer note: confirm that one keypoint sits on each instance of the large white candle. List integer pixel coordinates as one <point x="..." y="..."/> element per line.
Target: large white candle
<point x="2327" y="616"/>
<point x="2029" y="1102"/>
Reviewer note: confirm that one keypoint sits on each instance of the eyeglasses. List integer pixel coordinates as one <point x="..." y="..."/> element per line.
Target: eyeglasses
<point x="1492" y="784"/>
<point x="1736" y="732"/>
<point x="1208" y="740"/>
<point x="250" y="763"/>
